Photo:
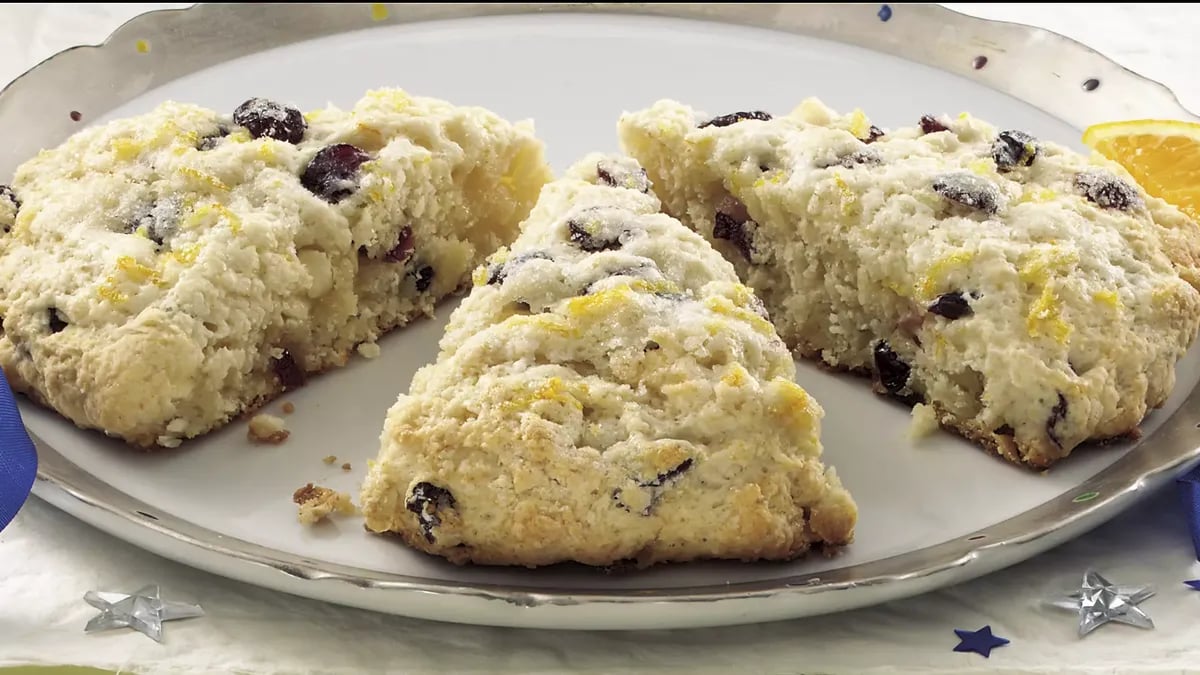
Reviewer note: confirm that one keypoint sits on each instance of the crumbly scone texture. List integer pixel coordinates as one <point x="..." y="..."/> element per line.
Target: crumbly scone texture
<point x="1035" y="298"/>
<point x="608" y="392"/>
<point x="162" y="274"/>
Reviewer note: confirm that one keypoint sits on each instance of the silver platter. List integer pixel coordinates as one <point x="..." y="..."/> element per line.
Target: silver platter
<point x="1081" y="87"/>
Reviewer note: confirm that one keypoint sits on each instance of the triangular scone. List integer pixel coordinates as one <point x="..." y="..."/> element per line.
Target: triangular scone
<point x="161" y="274"/>
<point x="1032" y="298"/>
<point x="607" y="392"/>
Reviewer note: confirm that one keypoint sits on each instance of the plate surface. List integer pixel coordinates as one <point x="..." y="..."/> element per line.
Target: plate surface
<point x="933" y="512"/>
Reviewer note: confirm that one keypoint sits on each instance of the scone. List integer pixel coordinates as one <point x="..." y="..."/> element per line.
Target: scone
<point x="1032" y="298"/>
<point x="607" y="393"/>
<point x="163" y="273"/>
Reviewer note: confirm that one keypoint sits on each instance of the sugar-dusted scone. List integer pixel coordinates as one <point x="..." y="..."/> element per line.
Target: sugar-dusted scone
<point x="608" y="392"/>
<point x="1033" y="298"/>
<point x="166" y="272"/>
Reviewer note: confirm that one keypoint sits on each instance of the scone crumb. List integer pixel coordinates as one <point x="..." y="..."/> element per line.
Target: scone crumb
<point x="925" y="421"/>
<point x="169" y="441"/>
<point x="329" y="459"/>
<point x="369" y="350"/>
<point x="346" y="466"/>
<point x="316" y="503"/>
<point x="288" y="407"/>
<point x="267" y="429"/>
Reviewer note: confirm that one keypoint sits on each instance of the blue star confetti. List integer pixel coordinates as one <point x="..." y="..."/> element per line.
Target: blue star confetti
<point x="885" y="12"/>
<point x="981" y="641"/>
<point x="1194" y="584"/>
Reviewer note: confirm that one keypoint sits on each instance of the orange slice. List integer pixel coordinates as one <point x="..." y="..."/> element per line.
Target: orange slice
<point x="1162" y="155"/>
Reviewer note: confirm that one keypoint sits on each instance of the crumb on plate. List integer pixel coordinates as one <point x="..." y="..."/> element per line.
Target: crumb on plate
<point x="329" y="459"/>
<point x="267" y="429"/>
<point x="288" y="407"/>
<point x="369" y="350"/>
<point x="316" y="503"/>
<point x="346" y="466"/>
<point x="924" y="421"/>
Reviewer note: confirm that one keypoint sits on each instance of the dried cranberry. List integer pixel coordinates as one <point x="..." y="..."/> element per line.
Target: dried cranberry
<point x="424" y="277"/>
<point x="403" y="249"/>
<point x="589" y="242"/>
<point x="498" y="272"/>
<point x="655" y="486"/>
<point x="861" y="157"/>
<point x="1014" y="148"/>
<point x="57" y="321"/>
<point x="332" y="173"/>
<point x="670" y="475"/>
<point x="734" y="118"/>
<point x="7" y="192"/>
<point x="932" y="125"/>
<point x="969" y="190"/>
<point x="212" y="140"/>
<point x="266" y="118"/>
<point x="158" y="220"/>
<point x="730" y="229"/>
<point x="892" y="372"/>
<point x="425" y="501"/>
<point x="614" y="175"/>
<point x="1057" y="414"/>
<point x="951" y="305"/>
<point x="1106" y="190"/>
<point x="873" y="134"/>
<point x="289" y="373"/>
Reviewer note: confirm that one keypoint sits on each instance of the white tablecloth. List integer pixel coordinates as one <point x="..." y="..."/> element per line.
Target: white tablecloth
<point x="48" y="559"/>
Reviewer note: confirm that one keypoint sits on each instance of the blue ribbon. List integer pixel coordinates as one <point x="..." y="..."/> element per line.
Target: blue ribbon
<point x="18" y="458"/>
<point x="1189" y="488"/>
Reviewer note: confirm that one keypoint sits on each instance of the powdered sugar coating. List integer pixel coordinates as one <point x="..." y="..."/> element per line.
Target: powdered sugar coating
<point x="1079" y="284"/>
<point x="623" y="403"/>
<point x="197" y="283"/>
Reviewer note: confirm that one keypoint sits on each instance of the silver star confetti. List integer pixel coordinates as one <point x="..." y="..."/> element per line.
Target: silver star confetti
<point x="1099" y="601"/>
<point x="144" y="611"/>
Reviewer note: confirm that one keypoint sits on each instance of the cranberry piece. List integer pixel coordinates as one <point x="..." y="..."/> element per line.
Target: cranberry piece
<point x="6" y="192"/>
<point x="873" y="134"/>
<point x="332" y="173"/>
<point x="498" y="272"/>
<point x="951" y="305"/>
<point x="1106" y="190"/>
<point x="425" y="501"/>
<point x="403" y="249"/>
<point x="424" y="277"/>
<point x="932" y="125"/>
<point x="615" y="175"/>
<point x="969" y="190"/>
<point x="592" y="243"/>
<point x="655" y="486"/>
<point x="893" y="373"/>
<point x="1057" y="414"/>
<point x="669" y="475"/>
<point x="212" y="140"/>
<point x="734" y="118"/>
<point x="735" y="232"/>
<point x="1014" y="148"/>
<point x="159" y="220"/>
<point x="266" y="118"/>
<point x="866" y="156"/>
<point x="289" y="373"/>
<point x="57" y="321"/>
